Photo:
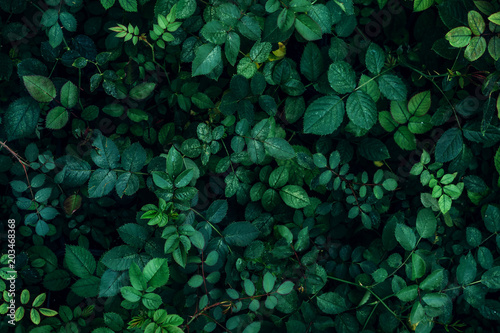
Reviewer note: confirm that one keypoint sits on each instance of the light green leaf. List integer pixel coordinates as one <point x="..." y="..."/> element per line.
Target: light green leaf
<point x="56" y="118"/>
<point x="40" y="88"/>
<point x="294" y="196"/>
<point x="420" y="103"/>
<point x="142" y="90"/>
<point x="420" y="5"/>
<point x="156" y="272"/>
<point x="476" y="22"/>
<point x="495" y="18"/>
<point x="405" y="139"/>
<point x="475" y="49"/>
<point x="69" y="95"/>
<point x="459" y="37"/>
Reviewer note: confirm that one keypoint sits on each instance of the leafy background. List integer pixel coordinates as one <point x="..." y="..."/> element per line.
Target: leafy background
<point x="250" y="166"/>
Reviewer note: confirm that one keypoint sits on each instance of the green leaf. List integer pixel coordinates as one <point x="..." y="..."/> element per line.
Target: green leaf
<point x="311" y="62"/>
<point x="491" y="278"/>
<point x="436" y="300"/>
<point x="408" y="294"/>
<point x="324" y="115"/>
<point x="495" y="18"/>
<point x="185" y="9"/>
<point x="459" y="37"/>
<point x="174" y="162"/>
<point x="249" y="27"/>
<point x="101" y="183"/>
<point x="133" y="158"/>
<point x="214" y="32"/>
<point x="40" y="88"/>
<point x="207" y="57"/>
<point x="120" y="258"/>
<point x="68" y="21"/>
<point x="55" y="36"/>
<point x="232" y="47"/>
<point x="88" y="287"/>
<point x="307" y="27"/>
<point x="475" y="49"/>
<point x="473" y="236"/>
<point x="49" y="17"/>
<point x="268" y="282"/>
<point x="127" y="184"/>
<point x="331" y="303"/>
<point x="69" y="95"/>
<point x="392" y="87"/>
<point x="491" y="218"/>
<point x="494" y="48"/>
<point x="21" y="118"/>
<point x="341" y="77"/>
<point x="240" y="233"/>
<point x="433" y="281"/>
<point x="106" y="154"/>
<point x="405" y="139"/>
<point x="156" y="272"/>
<point x="449" y="145"/>
<point x="217" y="211"/>
<point x="374" y="58"/>
<point x="129" y="5"/>
<point x="420" y="5"/>
<point x="361" y="110"/>
<point x="80" y="261"/>
<point x="466" y="270"/>
<point x="426" y="223"/>
<point x="279" y="148"/>
<point x="57" y="118"/>
<point x="142" y="90"/>
<point x="405" y="236"/>
<point x="390" y="184"/>
<point x="373" y="149"/>
<point x="286" y="19"/>
<point x="417" y="267"/>
<point x="420" y="103"/>
<point x="444" y="203"/>
<point x="107" y="4"/>
<point x="294" y="196"/>
<point x="476" y="22"/>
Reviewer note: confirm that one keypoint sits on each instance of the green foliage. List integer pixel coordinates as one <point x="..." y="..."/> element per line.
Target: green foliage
<point x="281" y="166"/>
